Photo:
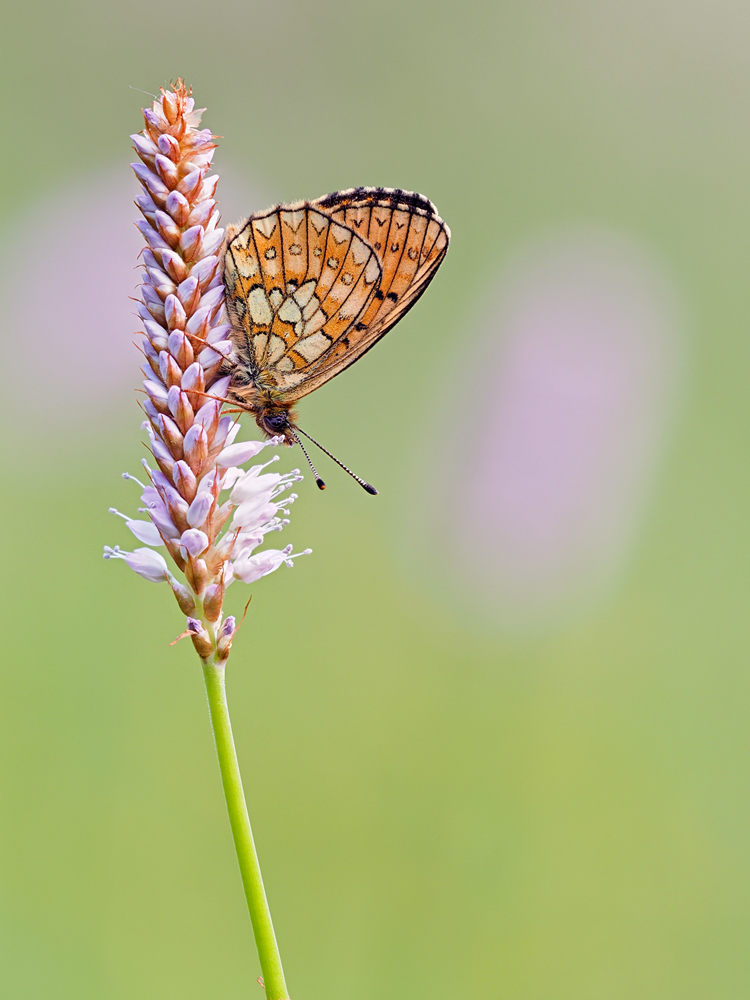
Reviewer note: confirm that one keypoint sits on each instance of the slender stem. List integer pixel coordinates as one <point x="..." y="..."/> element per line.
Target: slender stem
<point x="260" y="915"/>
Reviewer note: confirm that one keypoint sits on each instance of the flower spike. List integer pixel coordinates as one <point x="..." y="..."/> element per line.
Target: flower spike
<point x="186" y="341"/>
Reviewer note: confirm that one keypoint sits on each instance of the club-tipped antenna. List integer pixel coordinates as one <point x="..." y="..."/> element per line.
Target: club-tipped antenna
<point x="365" y="486"/>
<point x="318" y="481"/>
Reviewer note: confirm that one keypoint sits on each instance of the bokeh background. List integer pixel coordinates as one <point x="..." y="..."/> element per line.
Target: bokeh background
<point x="494" y="732"/>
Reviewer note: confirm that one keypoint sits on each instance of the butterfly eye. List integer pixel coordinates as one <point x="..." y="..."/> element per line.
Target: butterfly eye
<point x="277" y="421"/>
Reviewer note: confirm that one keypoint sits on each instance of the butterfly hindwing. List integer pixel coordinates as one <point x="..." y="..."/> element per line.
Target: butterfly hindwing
<point x="311" y="286"/>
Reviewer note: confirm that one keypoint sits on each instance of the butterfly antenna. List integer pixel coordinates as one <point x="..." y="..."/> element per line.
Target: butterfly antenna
<point x="318" y="481"/>
<point x="365" y="486"/>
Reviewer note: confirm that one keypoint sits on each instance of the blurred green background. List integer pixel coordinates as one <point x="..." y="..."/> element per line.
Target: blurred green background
<point x="444" y="804"/>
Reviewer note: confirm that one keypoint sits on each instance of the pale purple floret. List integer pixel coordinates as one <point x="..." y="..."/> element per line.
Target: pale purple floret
<point x="250" y="568"/>
<point x="147" y="563"/>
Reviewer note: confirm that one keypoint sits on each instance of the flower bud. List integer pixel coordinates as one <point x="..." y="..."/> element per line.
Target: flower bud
<point x="189" y="294"/>
<point x="183" y="595"/>
<point x="167" y="171"/>
<point x="226" y="635"/>
<point x="182" y="411"/>
<point x="208" y="415"/>
<point x="190" y="242"/>
<point x="199" y="509"/>
<point x="169" y="146"/>
<point x="204" y="270"/>
<point x="195" y="447"/>
<point x="171" y="434"/>
<point x="180" y="349"/>
<point x="185" y="481"/>
<point x="190" y="183"/>
<point x="213" y="600"/>
<point x="166" y="228"/>
<point x="174" y="265"/>
<point x="196" y="574"/>
<point x="170" y="371"/>
<point x="194" y="542"/>
<point x="174" y="313"/>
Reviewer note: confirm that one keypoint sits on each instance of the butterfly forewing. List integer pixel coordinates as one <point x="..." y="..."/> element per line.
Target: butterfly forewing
<point x="312" y="286"/>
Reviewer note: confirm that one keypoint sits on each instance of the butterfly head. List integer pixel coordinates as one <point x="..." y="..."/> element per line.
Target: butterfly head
<point x="274" y="420"/>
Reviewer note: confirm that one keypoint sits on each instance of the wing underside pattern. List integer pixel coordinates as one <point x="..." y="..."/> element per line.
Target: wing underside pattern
<point x="313" y="285"/>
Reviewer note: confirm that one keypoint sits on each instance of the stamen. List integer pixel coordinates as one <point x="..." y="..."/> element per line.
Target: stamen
<point x="126" y="475"/>
<point x="295" y="555"/>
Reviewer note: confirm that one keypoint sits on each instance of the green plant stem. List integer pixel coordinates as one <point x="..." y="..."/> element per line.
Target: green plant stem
<point x="260" y="915"/>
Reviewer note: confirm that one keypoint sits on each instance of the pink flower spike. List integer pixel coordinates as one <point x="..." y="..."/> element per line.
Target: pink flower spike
<point x="187" y="342"/>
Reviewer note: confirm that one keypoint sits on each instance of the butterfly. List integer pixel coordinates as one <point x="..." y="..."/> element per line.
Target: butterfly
<point x="312" y="286"/>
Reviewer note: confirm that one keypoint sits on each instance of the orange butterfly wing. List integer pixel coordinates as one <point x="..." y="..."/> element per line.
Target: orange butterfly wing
<point x="411" y="241"/>
<point x="313" y="285"/>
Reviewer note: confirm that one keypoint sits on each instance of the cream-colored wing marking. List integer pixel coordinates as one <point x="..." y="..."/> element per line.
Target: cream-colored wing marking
<point x="296" y="281"/>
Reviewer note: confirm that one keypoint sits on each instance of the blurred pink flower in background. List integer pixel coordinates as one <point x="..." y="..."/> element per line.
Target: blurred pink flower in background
<point x="569" y="386"/>
<point x="69" y="268"/>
